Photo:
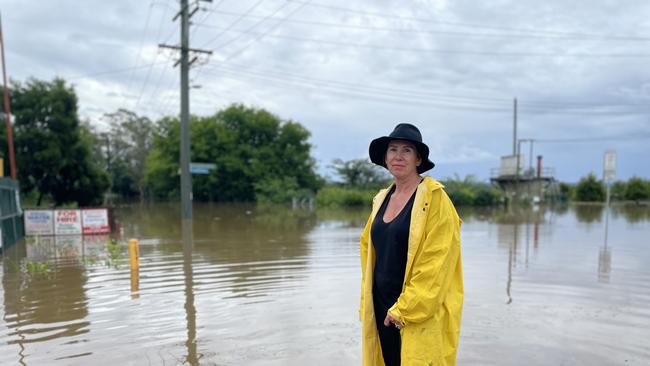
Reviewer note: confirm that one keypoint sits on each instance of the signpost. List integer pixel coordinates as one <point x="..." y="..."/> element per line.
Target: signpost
<point x="609" y="170"/>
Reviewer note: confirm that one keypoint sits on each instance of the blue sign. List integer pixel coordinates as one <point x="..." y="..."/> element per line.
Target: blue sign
<point x="202" y="168"/>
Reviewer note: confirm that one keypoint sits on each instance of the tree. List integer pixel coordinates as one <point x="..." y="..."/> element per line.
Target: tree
<point x="567" y="191"/>
<point x="162" y="164"/>
<point x="617" y="191"/>
<point x="360" y="173"/>
<point x="52" y="156"/>
<point x="125" y="150"/>
<point x="255" y="154"/>
<point x="590" y="189"/>
<point x="637" y="189"/>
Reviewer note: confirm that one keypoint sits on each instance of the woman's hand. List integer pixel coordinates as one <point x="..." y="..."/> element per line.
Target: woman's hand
<point x="389" y="320"/>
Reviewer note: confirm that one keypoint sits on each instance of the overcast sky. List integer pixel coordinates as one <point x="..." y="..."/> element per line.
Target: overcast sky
<point x="350" y="70"/>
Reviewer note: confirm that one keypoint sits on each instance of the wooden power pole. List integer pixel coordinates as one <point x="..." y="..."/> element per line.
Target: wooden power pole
<point x="7" y="110"/>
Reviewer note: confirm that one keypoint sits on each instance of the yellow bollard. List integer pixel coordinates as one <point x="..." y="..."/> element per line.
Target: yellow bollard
<point x="135" y="283"/>
<point x="134" y="254"/>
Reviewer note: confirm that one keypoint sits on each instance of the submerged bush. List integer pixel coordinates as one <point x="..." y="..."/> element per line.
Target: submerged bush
<point x="471" y="192"/>
<point x="340" y="196"/>
<point x="589" y="189"/>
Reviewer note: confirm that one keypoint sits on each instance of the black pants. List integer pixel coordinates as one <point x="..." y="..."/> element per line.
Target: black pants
<point x="389" y="337"/>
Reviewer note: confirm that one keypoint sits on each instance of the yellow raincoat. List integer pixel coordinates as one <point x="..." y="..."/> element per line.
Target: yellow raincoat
<point x="431" y="301"/>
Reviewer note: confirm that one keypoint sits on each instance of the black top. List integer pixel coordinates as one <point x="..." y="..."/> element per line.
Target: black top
<point x="390" y="241"/>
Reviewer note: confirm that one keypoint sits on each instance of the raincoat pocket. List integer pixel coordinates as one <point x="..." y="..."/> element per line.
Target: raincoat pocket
<point x="421" y="345"/>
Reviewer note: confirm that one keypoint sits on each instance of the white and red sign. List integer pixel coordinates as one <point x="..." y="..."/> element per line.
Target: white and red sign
<point x="39" y="222"/>
<point x="67" y="222"/>
<point x="95" y="221"/>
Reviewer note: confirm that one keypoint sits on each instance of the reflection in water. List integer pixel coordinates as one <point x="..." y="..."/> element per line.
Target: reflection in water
<point x="632" y="213"/>
<point x="510" y="221"/>
<point x="555" y="298"/>
<point x="604" y="254"/>
<point x="247" y="285"/>
<point x="190" y="310"/>
<point x="589" y="213"/>
<point x="44" y="298"/>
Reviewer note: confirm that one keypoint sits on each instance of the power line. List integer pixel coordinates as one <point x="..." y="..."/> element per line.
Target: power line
<point x="146" y="79"/>
<point x="259" y="36"/>
<point x="144" y="33"/>
<point x="594" y="139"/>
<point x="163" y="73"/>
<point x="528" y="104"/>
<point x="432" y="50"/>
<point x="461" y="24"/>
<point x="115" y="71"/>
<point x="574" y="37"/>
<point x="361" y="95"/>
<point x="289" y="77"/>
<point x="231" y="25"/>
<point x="491" y="104"/>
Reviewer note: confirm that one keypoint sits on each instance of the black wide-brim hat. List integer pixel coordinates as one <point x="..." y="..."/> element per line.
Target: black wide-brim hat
<point x="406" y="132"/>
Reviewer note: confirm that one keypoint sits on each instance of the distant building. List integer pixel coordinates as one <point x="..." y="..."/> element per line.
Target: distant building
<point x="520" y="183"/>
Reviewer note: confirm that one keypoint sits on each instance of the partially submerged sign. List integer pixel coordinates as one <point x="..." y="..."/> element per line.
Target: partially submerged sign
<point x="67" y="222"/>
<point x="88" y="221"/>
<point x="95" y="221"/>
<point x="39" y="222"/>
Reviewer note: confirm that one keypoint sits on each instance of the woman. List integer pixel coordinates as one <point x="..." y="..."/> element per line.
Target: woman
<point x="412" y="282"/>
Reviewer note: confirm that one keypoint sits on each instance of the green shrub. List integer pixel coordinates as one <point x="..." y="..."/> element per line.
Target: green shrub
<point x="461" y="196"/>
<point x="567" y="191"/>
<point x="637" y="189"/>
<point x="279" y="190"/>
<point x="617" y="191"/>
<point x="589" y="189"/>
<point x="471" y="192"/>
<point x="339" y="196"/>
<point x="487" y="196"/>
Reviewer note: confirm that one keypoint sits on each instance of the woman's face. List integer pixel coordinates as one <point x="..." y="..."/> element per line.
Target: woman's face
<point x="402" y="158"/>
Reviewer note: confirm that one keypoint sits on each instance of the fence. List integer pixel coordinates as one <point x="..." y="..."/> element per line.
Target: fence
<point x="11" y="214"/>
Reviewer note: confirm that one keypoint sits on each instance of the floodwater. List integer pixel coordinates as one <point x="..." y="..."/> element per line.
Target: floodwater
<point x="275" y="286"/>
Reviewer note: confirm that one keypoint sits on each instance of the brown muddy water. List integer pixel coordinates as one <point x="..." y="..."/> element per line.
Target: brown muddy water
<point x="274" y="286"/>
